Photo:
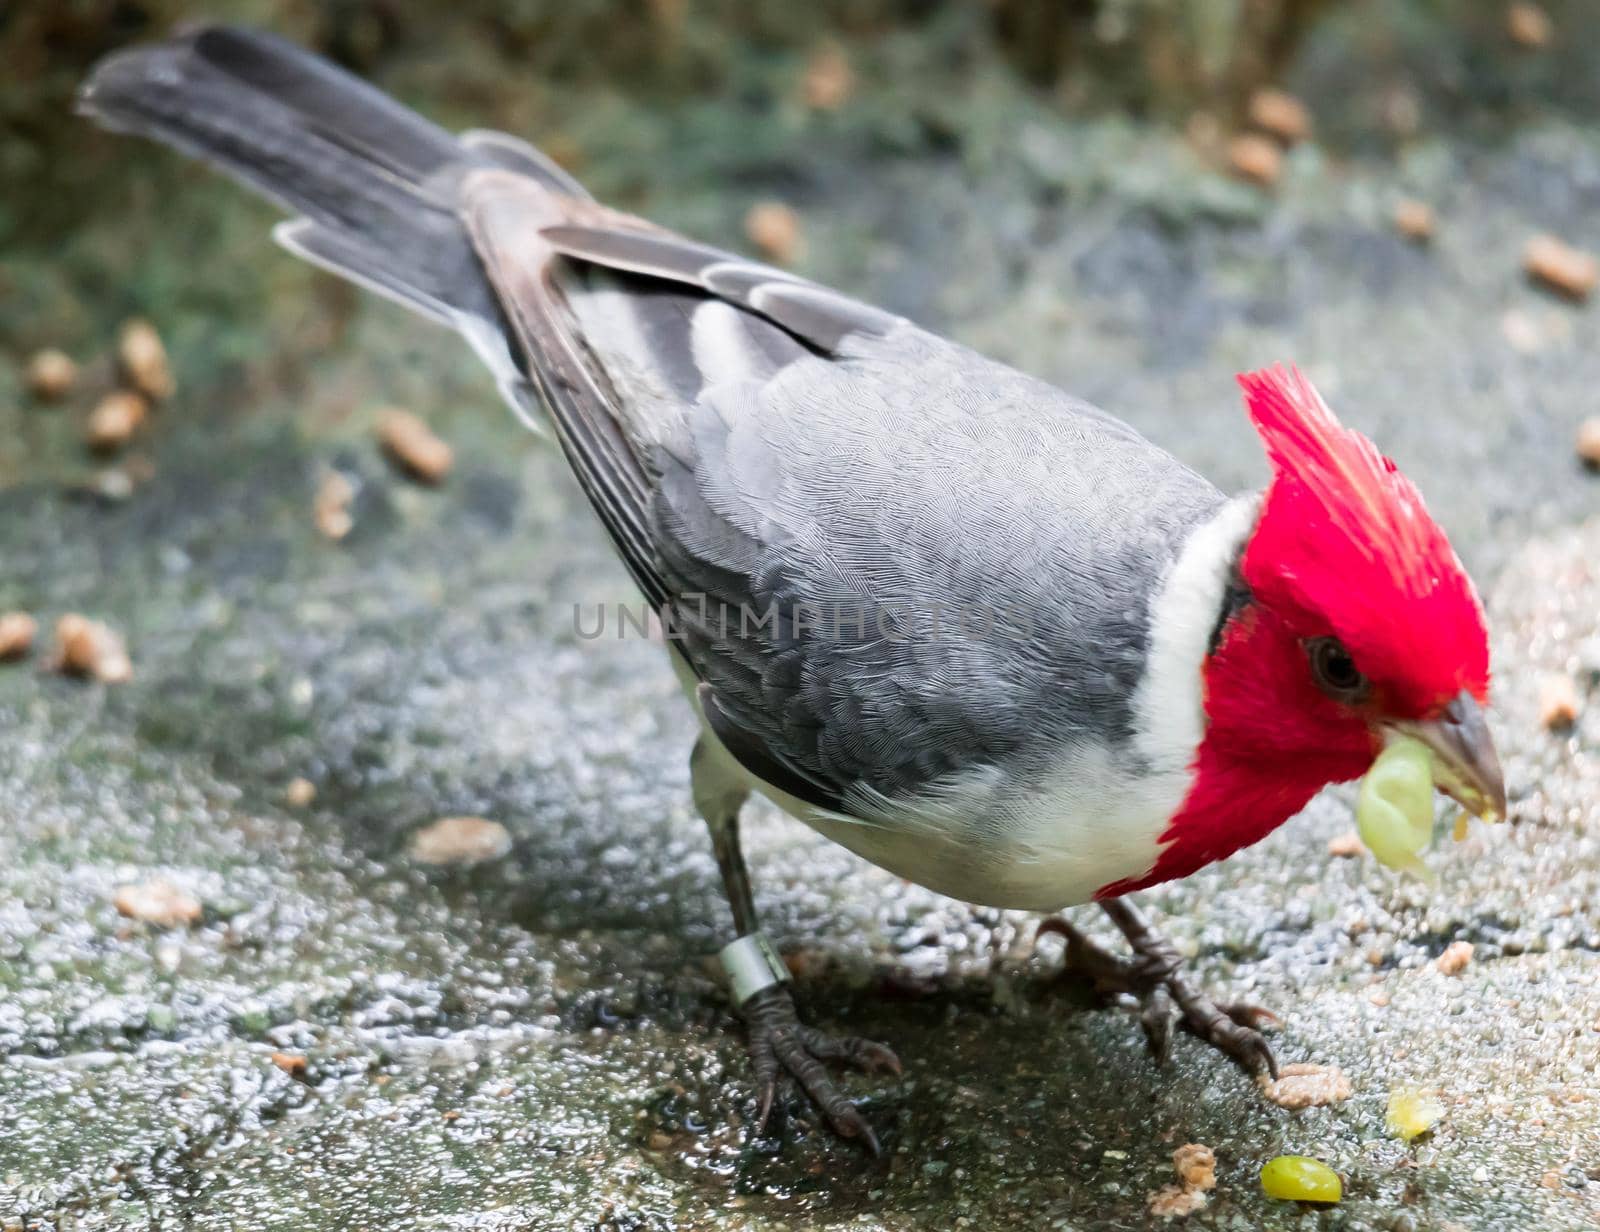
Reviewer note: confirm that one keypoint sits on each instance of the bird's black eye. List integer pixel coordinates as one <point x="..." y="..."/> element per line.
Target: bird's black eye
<point x="1335" y="671"/>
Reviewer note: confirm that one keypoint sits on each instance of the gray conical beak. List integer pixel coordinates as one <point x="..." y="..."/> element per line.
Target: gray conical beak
<point x="1465" y="765"/>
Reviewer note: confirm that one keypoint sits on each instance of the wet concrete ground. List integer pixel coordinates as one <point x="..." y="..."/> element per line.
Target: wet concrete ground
<point x="540" y="1042"/>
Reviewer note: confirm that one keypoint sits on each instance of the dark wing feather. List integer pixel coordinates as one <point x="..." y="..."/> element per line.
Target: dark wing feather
<point x="761" y="760"/>
<point x="818" y="316"/>
<point x="502" y="212"/>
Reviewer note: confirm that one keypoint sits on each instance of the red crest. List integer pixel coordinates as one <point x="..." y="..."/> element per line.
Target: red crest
<point x="1345" y="545"/>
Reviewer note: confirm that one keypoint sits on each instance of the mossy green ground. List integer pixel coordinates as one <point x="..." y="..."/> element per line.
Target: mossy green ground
<point x="540" y="1042"/>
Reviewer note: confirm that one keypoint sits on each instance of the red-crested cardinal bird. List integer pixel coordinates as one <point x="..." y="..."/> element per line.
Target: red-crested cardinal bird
<point x="977" y="631"/>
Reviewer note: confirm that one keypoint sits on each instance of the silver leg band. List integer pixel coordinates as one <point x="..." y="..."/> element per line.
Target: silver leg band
<point x="752" y="965"/>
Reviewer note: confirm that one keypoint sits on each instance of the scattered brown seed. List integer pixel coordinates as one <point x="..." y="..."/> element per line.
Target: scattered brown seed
<point x="1346" y="845"/>
<point x="1255" y="158"/>
<point x="460" y="840"/>
<point x="1176" y="1201"/>
<point x="51" y="375"/>
<point x="1281" y="114"/>
<point x="289" y="1062"/>
<point x="157" y="902"/>
<point x="114" y="420"/>
<point x="1455" y="958"/>
<point x="1379" y="997"/>
<point x="17" y="630"/>
<point x="331" y="507"/>
<point x="1588" y="442"/>
<point x="1551" y="1179"/>
<point x="300" y="792"/>
<point x="1558" y="702"/>
<point x="1414" y="219"/>
<point x="1528" y="24"/>
<point x="1300" y="1085"/>
<point x="87" y="647"/>
<point x="1561" y="267"/>
<point x="1196" y="1165"/>
<point x="829" y="80"/>
<point x="413" y="446"/>
<point x="143" y="359"/>
<point x="775" y="230"/>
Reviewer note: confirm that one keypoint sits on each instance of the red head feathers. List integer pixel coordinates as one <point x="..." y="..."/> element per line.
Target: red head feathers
<point x="1344" y="546"/>
<point x="1360" y="622"/>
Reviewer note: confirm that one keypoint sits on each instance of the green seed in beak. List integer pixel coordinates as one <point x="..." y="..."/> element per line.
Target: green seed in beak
<point x="1394" y="809"/>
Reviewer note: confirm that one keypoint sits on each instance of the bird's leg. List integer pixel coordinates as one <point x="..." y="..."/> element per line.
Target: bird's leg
<point x="779" y="1042"/>
<point x="1155" y="975"/>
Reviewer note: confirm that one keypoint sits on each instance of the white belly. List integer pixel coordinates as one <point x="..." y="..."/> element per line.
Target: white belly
<point x="982" y="840"/>
<point x="1087" y="825"/>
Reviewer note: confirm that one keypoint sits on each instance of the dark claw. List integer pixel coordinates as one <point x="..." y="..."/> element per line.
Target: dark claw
<point x="1241" y="1041"/>
<point x="1155" y="976"/>
<point x="1156" y="1019"/>
<point x="1253" y="1016"/>
<point x="766" y="1065"/>
<point x="867" y="1055"/>
<point x="780" y="1041"/>
<point x="1089" y="958"/>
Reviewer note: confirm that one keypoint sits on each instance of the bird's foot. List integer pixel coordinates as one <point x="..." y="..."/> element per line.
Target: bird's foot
<point x="1155" y="977"/>
<point x="780" y="1044"/>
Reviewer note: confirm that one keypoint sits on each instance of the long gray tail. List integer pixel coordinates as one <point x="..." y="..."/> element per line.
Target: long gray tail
<point x="374" y="184"/>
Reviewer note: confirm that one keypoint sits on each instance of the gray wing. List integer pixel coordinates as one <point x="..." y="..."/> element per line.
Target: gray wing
<point x="914" y="562"/>
<point x="887" y="558"/>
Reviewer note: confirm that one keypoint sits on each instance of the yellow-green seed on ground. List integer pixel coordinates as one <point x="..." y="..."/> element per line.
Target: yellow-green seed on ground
<point x="1394" y="810"/>
<point x="1299" y="1178"/>
<point x="1412" y="1113"/>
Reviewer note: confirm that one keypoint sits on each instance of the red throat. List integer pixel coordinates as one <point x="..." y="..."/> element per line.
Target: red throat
<point x="1272" y="742"/>
<point x="1229" y="808"/>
